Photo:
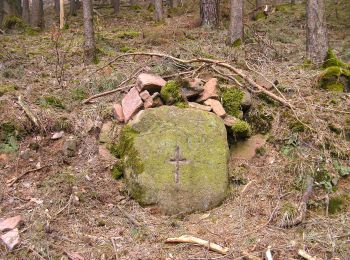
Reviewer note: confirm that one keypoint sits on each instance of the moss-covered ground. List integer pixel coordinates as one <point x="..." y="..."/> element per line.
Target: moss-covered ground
<point x="70" y="206"/>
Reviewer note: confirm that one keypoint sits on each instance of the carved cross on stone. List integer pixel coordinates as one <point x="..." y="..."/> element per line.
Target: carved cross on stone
<point x="177" y="160"/>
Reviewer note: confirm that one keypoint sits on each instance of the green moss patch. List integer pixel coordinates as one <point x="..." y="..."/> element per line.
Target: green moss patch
<point x="259" y="15"/>
<point x="52" y="101"/>
<point x="241" y="129"/>
<point x="331" y="60"/>
<point x="338" y="203"/>
<point x="171" y="93"/>
<point x="335" y="79"/>
<point x="11" y="22"/>
<point x="124" y="150"/>
<point x="231" y="99"/>
<point x="7" y="88"/>
<point x="8" y="137"/>
<point x="130" y="34"/>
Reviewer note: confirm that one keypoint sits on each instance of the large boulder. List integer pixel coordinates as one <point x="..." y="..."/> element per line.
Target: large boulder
<point x="176" y="158"/>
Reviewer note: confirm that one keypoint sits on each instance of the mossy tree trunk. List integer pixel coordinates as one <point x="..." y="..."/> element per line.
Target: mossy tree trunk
<point x="209" y="12"/>
<point x="37" y="15"/>
<point x="316" y="31"/>
<point x="116" y="6"/>
<point x="235" y="32"/>
<point x="158" y="10"/>
<point x="89" y="46"/>
<point x="25" y="11"/>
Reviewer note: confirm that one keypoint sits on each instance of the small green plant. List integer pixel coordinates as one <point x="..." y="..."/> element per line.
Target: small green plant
<point x="117" y="171"/>
<point x="79" y="93"/>
<point x="126" y="49"/>
<point x="231" y="100"/>
<point x="338" y="203"/>
<point x="13" y="21"/>
<point x="52" y="101"/>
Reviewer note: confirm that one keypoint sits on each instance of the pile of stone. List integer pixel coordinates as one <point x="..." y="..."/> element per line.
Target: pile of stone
<point x="9" y="227"/>
<point x="147" y="94"/>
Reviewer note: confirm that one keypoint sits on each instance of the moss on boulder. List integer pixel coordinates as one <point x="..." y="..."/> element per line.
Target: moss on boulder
<point x="335" y="79"/>
<point x="241" y="129"/>
<point x="171" y="94"/>
<point x="175" y="158"/>
<point x="231" y="99"/>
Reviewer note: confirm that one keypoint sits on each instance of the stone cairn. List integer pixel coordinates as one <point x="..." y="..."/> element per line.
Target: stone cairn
<point x="147" y="94"/>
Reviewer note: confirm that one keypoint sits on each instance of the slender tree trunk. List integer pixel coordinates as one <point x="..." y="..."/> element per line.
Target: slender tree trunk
<point x="1" y="11"/>
<point x="72" y="8"/>
<point x="235" y="32"/>
<point x="258" y="3"/>
<point x="316" y="31"/>
<point x="25" y="11"/>
<point x="158" y="10"/>
<point x="116" y="6"/>
<point x="89" y="46"/>
<point x="173" y="3"/>
<point x="62" y="14"/>
<point x="57" y="7"/>
<point x="209" y="11"/>
<point x="37" y="15"/>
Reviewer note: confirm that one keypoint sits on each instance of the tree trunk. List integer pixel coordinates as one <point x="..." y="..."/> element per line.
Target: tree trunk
<point x="172" y="3"/>
<point x="209" y="11"/>
<point x="57" y="7"/>
<point x="62" y="14"/>
<point x="316" y="31"/>
<point x="25" y="11"/>
<point x="1" y="11"/>
<point x="158" y="10"/>
<point x="89" y="46"/>
<point x="72" y="8"/>
<point x="116" y="6"/>
<point x="37" y="15"/>
<point x="258" y="3"/>
<point x="235" y="32"/>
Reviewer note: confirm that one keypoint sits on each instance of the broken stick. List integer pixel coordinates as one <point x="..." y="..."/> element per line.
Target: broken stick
<point x="198" y="241"/>
<point x="15" y="179"/>
<point x="219" y="63"/>
<point x="28" y="112"/>
<point x="305" y="255"/>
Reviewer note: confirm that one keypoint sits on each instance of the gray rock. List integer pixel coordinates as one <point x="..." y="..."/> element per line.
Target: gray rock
<point x="246" y="101"/>
<point x="70" y="146"/>
<point x="176" y="158"/>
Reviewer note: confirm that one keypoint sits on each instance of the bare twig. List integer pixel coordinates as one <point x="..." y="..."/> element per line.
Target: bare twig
<point x="213" y="62"/>
<point x="305" y="255"/>
<point x="119" y="88"/>
<point x="198" y="241"/>
<point x="302" y="206"/>
<point x="14" y="180"/>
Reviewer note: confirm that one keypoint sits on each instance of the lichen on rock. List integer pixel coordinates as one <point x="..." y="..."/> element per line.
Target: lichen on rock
<point x="175" y="158"/>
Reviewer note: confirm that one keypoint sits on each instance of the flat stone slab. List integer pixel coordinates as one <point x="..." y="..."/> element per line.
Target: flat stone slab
<point x="178" y="159"/>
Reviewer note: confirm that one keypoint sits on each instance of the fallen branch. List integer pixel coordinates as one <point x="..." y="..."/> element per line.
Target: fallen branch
<point x="212" y="62"/>
<point x="119" y="88"/>
<point x="14" y="180"/>
<point x="198" y="241"/>
<point x="28" y="112"/>
<point x="305" y="255"/>
<point x="302" y="206"/>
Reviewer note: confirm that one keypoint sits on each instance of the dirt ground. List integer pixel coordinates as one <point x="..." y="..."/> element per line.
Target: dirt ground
<point x="74" y="206"/>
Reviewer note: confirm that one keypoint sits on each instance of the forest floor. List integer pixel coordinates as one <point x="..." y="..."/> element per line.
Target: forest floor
<point x="70" y="206"/>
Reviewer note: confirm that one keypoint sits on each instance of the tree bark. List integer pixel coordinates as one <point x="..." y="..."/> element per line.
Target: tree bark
<point x="25" y="11"/>
<point x="57" y="7"/>
<point x="158" y="10"/>
<point x="89" y="46"/>
<point x="235" y="32"/>
<point x="209" y="11"/>
<point x="72" y="7"/>
<point x="1" y="11"/>
<point x="37" y="15"/>
<point x="116" y="6"/>
<point x="316" y="31"/>
<point x="62" y="14"/>
<point x="258" y="3"/>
